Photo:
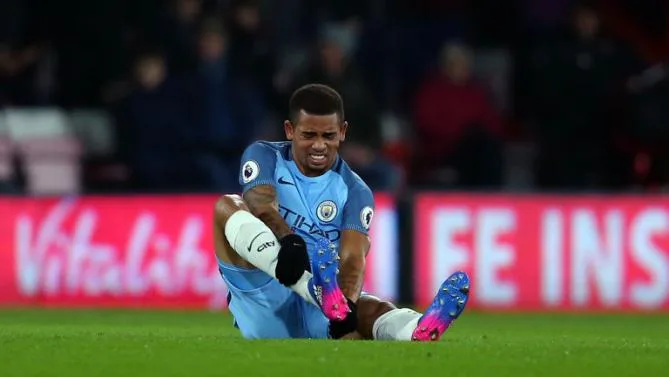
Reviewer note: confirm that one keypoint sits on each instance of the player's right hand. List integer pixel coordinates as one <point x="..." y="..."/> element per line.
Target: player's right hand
<point x="293" y="243"/>
<point x="292" y="260"/>
<point x="341" y="328"/>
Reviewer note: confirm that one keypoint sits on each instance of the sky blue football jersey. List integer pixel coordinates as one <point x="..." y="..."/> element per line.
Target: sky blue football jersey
<point x="314" y="207"/>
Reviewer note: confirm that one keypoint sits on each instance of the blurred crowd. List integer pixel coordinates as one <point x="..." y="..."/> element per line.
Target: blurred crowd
<point x="547" y="95"/>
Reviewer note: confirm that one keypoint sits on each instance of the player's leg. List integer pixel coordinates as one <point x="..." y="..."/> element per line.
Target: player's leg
<point x="377" y="319"/>
<point x="382" y="320"/>
<point x="248" y="243"/>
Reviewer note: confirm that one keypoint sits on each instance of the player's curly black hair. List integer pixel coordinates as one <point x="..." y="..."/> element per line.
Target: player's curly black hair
<point x="316" y="99"/>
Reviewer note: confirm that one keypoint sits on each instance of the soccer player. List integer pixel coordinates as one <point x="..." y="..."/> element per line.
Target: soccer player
<point x="292" y="248"/>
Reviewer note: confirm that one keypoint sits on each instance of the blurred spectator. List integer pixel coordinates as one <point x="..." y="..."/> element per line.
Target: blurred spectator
<point x="153" y="120"/>
<point x="23" y="55"/>
<point x="457" y="128"/>
<point x="228" y="113"/>
<point x="90" y="39"/>
<point x="19" y="72"/>
<point x="650" y="125"/>
<point x="362" y="148"/>
<point x="576" y="82"/>
<point x="252" y="52"/>
<point x="177" y="32"/>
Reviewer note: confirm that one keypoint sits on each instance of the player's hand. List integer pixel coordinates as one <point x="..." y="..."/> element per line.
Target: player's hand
<point x="293" y="243"/>
<point x="339" y="329"/>
<point x="292" y="259"/>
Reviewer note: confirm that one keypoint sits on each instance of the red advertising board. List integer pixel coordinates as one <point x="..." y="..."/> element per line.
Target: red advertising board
<point x="135" y="251"/>
<point x="546" y="253"/>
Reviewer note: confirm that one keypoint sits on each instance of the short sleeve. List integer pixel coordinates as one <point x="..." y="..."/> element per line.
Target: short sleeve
<point x="257" y="166"/>
<point x="359" y="210"/>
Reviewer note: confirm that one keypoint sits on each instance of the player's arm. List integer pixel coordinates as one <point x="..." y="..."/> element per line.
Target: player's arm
<point x="256" y="176"/>
<point x="263" y="204"/>
<point x="354" y="247"/>
<point x="355" y="242"/>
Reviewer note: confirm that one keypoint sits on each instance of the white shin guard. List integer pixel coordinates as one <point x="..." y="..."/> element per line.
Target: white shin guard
<point x="256" y="244"/>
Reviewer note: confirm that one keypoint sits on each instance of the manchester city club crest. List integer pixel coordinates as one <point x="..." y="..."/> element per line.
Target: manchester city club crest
<point x="326" y="211"/>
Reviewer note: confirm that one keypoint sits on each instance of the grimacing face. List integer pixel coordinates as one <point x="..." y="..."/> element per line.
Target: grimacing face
<point x="315" y="141"/>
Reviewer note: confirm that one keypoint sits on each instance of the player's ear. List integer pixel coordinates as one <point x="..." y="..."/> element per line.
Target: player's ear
<point x="289" y="129"/>
<point x="342" y="131"/>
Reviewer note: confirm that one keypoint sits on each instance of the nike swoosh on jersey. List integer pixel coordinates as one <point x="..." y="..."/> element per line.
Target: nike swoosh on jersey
<point x="284" y="182"/>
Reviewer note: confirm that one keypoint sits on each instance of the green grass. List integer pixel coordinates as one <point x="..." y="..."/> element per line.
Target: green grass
<point x="128" y="344"/>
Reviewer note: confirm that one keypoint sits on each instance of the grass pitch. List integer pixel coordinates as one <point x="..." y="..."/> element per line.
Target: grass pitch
<point x="136" y="343"/>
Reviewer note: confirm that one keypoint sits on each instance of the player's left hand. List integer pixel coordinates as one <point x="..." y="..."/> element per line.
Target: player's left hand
<point x="341" y="328"/>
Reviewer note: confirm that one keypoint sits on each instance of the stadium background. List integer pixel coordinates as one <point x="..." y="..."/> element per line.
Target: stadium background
<point x="522" y="141"/>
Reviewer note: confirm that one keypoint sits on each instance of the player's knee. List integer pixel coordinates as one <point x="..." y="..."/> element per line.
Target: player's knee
<point x="226" y="205"/>
<point x="292" y="260"/>
<point x="370" y="307"/>
<point x="382" y="308"/>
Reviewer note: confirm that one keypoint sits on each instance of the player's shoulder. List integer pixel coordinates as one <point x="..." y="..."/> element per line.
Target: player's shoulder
<point x="259" y="161"/>
<point x="351" y="179"/>
<point x="269" y="146"/>
<point x="267" y="149"/>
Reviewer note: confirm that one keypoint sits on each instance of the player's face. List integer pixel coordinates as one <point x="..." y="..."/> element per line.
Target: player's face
<point x="316" y="141"/>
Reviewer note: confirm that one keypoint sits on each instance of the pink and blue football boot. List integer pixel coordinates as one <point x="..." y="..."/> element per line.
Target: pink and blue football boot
<point x="446" y="307"/>
<point x="324" y="287"/>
